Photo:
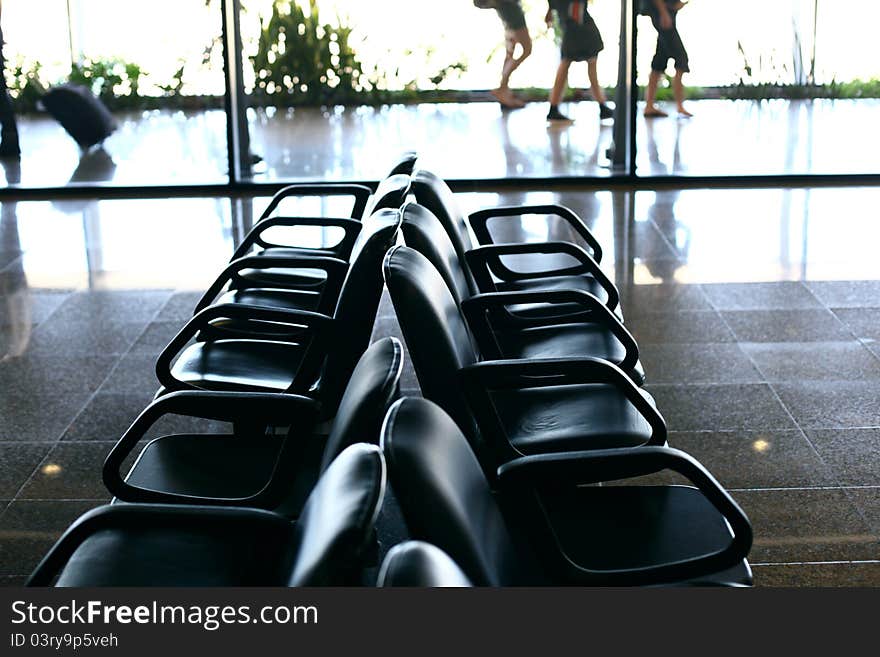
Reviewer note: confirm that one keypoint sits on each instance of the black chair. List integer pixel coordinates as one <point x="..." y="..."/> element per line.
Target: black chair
<point x="563" y="265"/>
<point x="416" y="563"/>
<point x="253" y="467"/>
<point x="509" y="408"/>
<point x="244" y="347"/>
<point x="548" y="523"/>
<point x="496" y="320"/>
<point x="167" y="545"/>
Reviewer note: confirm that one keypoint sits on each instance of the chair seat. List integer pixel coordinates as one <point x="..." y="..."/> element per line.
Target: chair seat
<point x="567" y="340"/>
<point x="272" y="298"/>
<point x="250" y="553"/>
<point x="257" y="365"/>
<point x="290" y="278"/>
<point x="619" y="527"/>
<point x="584" y="283"/>
<point x="570" y="418"/>
<point x="224" y="466"/>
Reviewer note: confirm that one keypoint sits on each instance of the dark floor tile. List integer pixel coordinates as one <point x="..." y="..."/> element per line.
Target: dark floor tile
<point x="71" y="471"/>
<point x="155" y="337"/>
<point x="179" y="307"/>
<point x="697" y="363"/>
<point x="13" y="582"/>
<point x="720" y="407"/>
<point x="867" y="501"/>
<point x="852" y="454"/>
<point x="873" y="347"/>
<point x="813" y="361"/>
<point x="760" y="296"/>
<point x="847" y="294"/>
<point x="820" y="574"/>
<point x="663" y="298"/>
<point x="28" y="529"/>
<point x="112" y="306"/>
<point x="756" y="459"/>
<point x="35" y="418"/>
<point x="806" y="525"/>
<point x="62" y="373"/>
<point x="37" y="307"/>
<point x="106" y="416"/>
<point x="816" y="325"/>
<point x="83" y="338"/>
<point x="863" y="322"/>
<point x="133" y="374"/>
<point x="682" y="327"/>
<point x="19" y="460"/>
<point x="831" y="404"/>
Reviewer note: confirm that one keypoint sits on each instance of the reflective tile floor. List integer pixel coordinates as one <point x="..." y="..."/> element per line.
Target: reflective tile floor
<point x="757" y="313"/>
<point x="460" y="140"/>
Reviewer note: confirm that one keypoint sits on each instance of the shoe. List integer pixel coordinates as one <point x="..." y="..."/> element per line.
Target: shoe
<point x="605" y="112"/>
<point x="654" y="113"/>
<point x="555" y="115"/>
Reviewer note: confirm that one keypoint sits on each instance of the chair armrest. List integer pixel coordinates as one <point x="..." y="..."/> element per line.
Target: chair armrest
<point x="578" y="468"/>
<point x="122" y="516"/>
<point x="319" y="326"/>
<point x="351" y="228"/>
<point x="485" y="262"/>
<point x="335" y="269"/>
<point x="266" y="408"/>
<point x="480" y="222"/>
<point x="477" y="310"/>
<point x="480" y="378"/>
<point x="361" y="194"/>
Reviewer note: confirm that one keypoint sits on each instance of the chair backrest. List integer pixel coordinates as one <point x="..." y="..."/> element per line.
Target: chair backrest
<point x="406" y="163"/>
<point x="337" y="521"/>
<point x="358" y="304"/>
<point x="442" y="491"/>
<point x="391" y="192"/>
<point x="423" y="232"/>
<point x="374" y="384"/>
<point x="432" y="192"/>
<point x="416" y="563"/>
<point x="435" y="332"/>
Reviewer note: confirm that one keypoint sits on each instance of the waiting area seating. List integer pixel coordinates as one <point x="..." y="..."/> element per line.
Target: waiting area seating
<point x="523" y="463"/>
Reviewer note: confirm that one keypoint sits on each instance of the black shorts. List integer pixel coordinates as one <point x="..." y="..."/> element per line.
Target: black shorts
<point x="580" y="41"/>
<point x="669" y="46"/>
<point x="511" y="14"/>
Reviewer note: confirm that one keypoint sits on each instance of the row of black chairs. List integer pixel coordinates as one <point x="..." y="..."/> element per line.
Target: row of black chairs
<point x="531" y="405"/>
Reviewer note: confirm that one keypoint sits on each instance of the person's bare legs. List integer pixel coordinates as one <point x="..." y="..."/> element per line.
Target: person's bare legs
<point x="512" y="38"/>
<point x="651" y="108"/>
<point x="595" y="87"/>
<point x="558" y="90"/>
<point x="678" y="92"/>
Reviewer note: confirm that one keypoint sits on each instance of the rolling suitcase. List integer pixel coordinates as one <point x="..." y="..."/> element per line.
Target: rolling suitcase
<point x="81" y="113"/>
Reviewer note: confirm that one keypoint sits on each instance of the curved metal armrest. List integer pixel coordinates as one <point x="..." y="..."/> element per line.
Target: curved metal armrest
<point x="477" y="311"/>
<point x="318" y="325"/>
<point x="361" y="195"/>
<point x="351" y="228"/>
<point x="485" y="262"/>
<point x="587" y="467"/>
<point x="480" y="222"/>
<point x="265" y="407"/>
<point x="335" y="269"/>
<point x="480" y="378"/>
<point x="122" y="516"/>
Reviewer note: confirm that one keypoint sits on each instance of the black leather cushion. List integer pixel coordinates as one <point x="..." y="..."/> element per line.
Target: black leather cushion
<point x="390" y="193"/>
<point x="416" y="563"/>
<point x="443" y="493"/>
<point x="239" y="365"/>
<point x="272" y="298"/>
<point x="570" y="418"/>
<point x="434" y="194"/>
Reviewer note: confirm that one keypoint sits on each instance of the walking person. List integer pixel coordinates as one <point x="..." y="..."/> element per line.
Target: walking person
<point x="516" y="33"/>
<point x="581" y="42"/>
<point x="8" y="129"/>
<point x="669" y="46"/>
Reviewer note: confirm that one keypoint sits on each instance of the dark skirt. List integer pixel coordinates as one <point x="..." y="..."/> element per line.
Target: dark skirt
<point x="581" y="41"/>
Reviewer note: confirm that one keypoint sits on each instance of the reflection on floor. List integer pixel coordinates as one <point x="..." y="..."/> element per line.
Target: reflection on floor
<point x="757" y="313"/>
<point x="461" y="140"/>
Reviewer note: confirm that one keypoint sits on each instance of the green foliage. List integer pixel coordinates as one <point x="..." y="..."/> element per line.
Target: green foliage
<point x="113" y="80"/>
<point x="25" y="83"/>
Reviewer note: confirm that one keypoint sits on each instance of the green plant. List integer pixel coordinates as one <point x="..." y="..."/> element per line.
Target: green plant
<point x="115" y="81"/>
<point x="25" y="83"/>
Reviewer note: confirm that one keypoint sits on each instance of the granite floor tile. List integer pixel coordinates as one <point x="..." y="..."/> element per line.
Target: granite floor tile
<point x="29" y="528"/>
<point x="756" y="459"/>
<point x="56" y="338"/>
<point x="852" y="454"/>
<point x="19" y="460"/>
<point x="38" y="307"/>
<point x="867" y="501"/>
<point x="813" y="361"/>
<point x="782" y="295"/>
<point x="59" y="374"/>
<point x="797" y="525"/>
<point x="697" y="363"/>
<point x="662" y="298"/>
<point x="155" y="338"/>
<point x="720" y="407"/>
<point x="863" y="322"/>
<point x="847" y="294"/>
<point x="813" y="325"/>
<point x="832" y="404"/>
<point x="682" y="327"/>
<point x="134" y="374"/>
<point x="106" y="416"/>
<point x="112" y="306"/>
<point x="818" y="575"/>
<point x="70" y="471"/>
<point x="179" y="307"/>
<point x="10" y="582"/>
<point x="37" y="418"/>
